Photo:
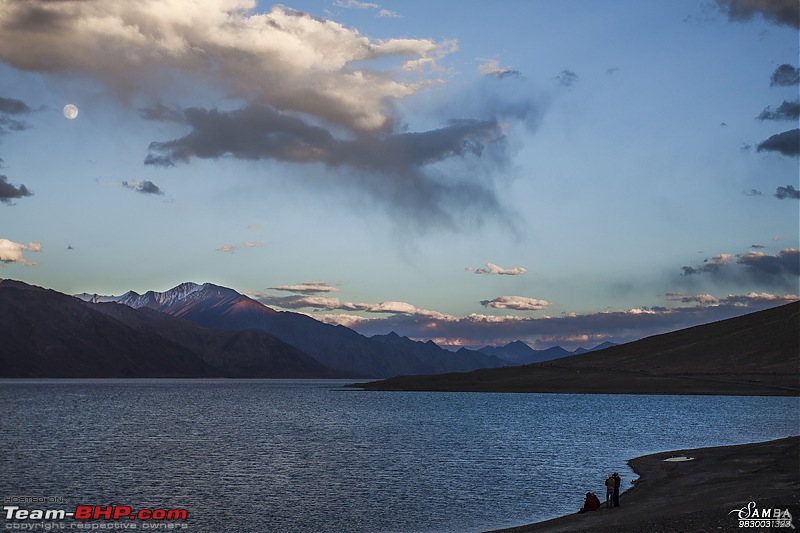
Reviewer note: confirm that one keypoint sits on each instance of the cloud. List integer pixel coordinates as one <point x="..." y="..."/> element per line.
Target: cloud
<point x="354" y="4"/>
<point x="777" y="269"/>
<point x="11" y="252"/>
<point x="566" y="78"/>
<point x="781" y="193"/>
<point x="782" y="12"/>
<point x="786" y="111"/>
<point x="754" y="192"/>
<point x="288" y="59"/>
<point x="491" y="268"/>
<point x="11" y="106"/>
<point x="714" y="265"/>
<point x="785" y="75"/>
<point x="787" y="261"/>
<point x="310" y="301"/>
<point x="230" y="248"/>
<point x="517" y="303"/>
<point x="309" y="287"/>
<point x="704" y="299"/>
<point x="618" y="326"/>
<point x="9" y="192"/>
<point x="394" y="168"/>
<point x="143" y="187"/>
<point x="786" y="143"/>
<point x="492" y="69"/>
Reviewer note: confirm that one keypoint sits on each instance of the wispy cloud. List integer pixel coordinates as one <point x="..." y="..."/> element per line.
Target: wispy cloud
<point x="355" y="4"/>
<point x="492" y="268"/>
<point x="230" y="248"/>
<point x="12" y="252"/>
<point x="393" y="168"/>
<point x="309" y="287"/>
<point x="566" y="78"/>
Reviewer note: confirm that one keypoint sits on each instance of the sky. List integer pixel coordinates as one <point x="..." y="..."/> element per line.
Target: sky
<point x="558" y="172"/>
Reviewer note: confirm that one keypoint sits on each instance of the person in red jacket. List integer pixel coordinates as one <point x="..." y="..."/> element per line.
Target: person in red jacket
<point x="592" y="503"/>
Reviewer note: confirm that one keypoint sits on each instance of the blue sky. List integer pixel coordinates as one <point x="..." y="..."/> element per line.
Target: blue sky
<point x="559" y="172"/>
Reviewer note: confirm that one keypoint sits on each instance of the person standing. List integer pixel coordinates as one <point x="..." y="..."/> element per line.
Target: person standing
<point x="617" y="482"/>
<point x="610" y="484"/>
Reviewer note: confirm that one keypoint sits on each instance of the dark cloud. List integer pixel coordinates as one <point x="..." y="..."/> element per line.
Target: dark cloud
<point x="786" y="111"/>
<point x="11" y="106"/>
<point x="782" y="12"/>
<point x="9" y="192"/>
<point x="397" y="168"/>
<point x="143" y="187"/>
<point x="785" y="75"/>
<point x="566" y="78"/>
<point x="786" y="143"/>
<point x="782" y="193"/>
<point x="760" y="264"/>
<point x="713" y="265"/>
<point x="754" y="192"/>
<point x="779" y="269"/>
<point x="757" y="246"/>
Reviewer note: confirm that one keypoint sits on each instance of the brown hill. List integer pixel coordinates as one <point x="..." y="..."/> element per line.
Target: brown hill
<point x="754" y="354"/>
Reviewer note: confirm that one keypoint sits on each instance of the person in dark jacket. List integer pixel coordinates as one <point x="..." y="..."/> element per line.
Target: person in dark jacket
<point x="617" y="482"/>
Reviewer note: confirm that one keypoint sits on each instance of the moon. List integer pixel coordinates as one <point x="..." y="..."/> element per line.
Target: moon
<point x="70" y="111"/>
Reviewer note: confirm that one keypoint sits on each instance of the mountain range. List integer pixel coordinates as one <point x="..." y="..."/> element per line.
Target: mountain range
<point x="197" y="330"/>
<point x="520" y="353"/>
<point x="49" y="334"/>
<point x="753" y="354"/>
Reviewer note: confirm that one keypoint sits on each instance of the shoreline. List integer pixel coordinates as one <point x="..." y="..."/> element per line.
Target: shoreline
<point x="696" y="495"/>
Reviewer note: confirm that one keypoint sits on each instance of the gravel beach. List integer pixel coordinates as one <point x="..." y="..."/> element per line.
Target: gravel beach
<point x="696" y="495"/>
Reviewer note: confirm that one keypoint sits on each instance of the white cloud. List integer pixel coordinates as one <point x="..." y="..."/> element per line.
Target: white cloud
<point x="518" y="303"/>
<point x="284" y="58"/>
<point x="491" y="268"/>
<point x="493" y="69"/>
<point x="11" y="252"/>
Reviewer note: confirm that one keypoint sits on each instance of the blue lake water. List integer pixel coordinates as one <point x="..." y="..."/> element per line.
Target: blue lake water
<point x="272" y="455"/>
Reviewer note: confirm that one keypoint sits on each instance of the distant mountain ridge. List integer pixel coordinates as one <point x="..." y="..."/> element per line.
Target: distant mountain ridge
<point x="520" y="353"/>
<point x="336" y="347"/>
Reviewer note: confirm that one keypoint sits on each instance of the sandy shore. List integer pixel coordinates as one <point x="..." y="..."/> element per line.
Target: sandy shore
<point x="696" y="495"/>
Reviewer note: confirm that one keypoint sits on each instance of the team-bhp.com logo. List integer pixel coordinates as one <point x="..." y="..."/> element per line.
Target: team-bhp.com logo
<point x="753" y="516"/>
<point x="85" y="515"/>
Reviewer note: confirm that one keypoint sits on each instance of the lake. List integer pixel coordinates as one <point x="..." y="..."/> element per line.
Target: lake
<point x="308" y="455"/>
